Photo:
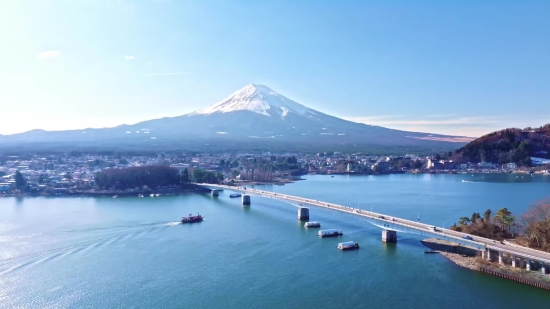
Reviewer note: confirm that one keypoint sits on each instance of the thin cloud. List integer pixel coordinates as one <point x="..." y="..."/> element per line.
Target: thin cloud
<point x="49" y="54"/>
<point x="171" y="73"/>
<point x="458" y="126"/>
<point x="386" y="120"/>
<point x="128" y="57"/>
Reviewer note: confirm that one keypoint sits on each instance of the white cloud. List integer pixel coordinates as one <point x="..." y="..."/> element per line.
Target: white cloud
<point x="164" y="74"/>
<point x="128" y="57"/>
<point x="458" y="126"/>
<point x="149" y="62"/>
<point x="49" y="54"/>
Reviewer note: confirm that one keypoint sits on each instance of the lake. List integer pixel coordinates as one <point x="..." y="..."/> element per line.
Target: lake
<point x="133" y="253"/>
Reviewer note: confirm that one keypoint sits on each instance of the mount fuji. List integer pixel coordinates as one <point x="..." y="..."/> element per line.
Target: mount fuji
<point x="254" y="114"/>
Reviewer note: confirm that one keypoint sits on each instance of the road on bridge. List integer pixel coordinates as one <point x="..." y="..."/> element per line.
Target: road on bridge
<point x="519" y="251"/>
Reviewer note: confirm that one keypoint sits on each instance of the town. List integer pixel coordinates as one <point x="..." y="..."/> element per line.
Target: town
<point x="75" y="173"/>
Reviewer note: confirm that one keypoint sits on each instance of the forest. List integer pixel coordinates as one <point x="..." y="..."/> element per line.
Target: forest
<point x="152" y="177"/>
<point x="507" y="146"/>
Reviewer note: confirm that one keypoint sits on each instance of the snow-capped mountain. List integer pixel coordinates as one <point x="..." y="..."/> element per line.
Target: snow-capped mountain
<point x="254" y="113"/>
<point x="258" y="99"/>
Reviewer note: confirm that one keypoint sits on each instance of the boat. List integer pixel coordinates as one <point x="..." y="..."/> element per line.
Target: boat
<point x="140" y="195"/>
<point x="192" y="219"/>
<point x="312" y="224"/>
<point x="348" y="245"/>
<point x="115" y="196"/>
<point x="157" y="194"/>
<point x="430" y="251"/>
<point x="151" y="195"/>
<point x="330" y="233"/>
<point x="235" y="195"/>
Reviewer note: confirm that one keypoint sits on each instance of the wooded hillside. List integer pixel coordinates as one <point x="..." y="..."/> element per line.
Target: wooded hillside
<point x="508" y="146"/>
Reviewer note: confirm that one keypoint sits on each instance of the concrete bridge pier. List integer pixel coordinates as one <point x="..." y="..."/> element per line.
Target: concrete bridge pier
<point x="246" y="199"/>
<point x="214" y="193"/>
<point x="488" y="255"/>
<point x="527" y="265"/>
<point x="389" y="236"/>
<point x="500" y="257"/>
<point x="513" y="261"/>
<point x="483" y="254"/>
<point x="543" y="269"/>
<point x="303" y="213"/>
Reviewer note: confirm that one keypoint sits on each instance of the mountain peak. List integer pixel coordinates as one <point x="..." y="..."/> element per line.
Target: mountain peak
<point x="256" y="98"/>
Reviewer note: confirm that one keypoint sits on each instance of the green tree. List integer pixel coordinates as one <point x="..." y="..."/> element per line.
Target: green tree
<point x="222" y="163"/>
<point x="463" y="221"/>
<point x="185" y="176"/>
<point x="41" y="179"/>
<point x="487" y="215"/>
<point x="19" y="180"/>
<point x="68" y="176"/>
<point x="235" y="173"/>
<point x="504" y="218"/>
<point x="475" y="216"/>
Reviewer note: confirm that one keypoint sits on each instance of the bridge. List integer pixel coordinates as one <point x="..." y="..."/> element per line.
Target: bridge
<point x="517" y="256"/>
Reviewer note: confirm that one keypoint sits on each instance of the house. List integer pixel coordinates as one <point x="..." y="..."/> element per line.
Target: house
<point x="511" y="166"/>
<point x="485" y="165"/>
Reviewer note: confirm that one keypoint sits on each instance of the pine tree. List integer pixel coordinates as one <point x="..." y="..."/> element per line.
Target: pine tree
<point x="19" y="180"/>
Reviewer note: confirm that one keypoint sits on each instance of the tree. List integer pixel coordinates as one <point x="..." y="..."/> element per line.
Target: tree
<point x="463" y="221"/>
<point x="19" y="180"/>
<point x="222" y="163"/>
<point x="475" y="217"/>
<point x="41" y="179"/>
<point x="185" y="176"/>
<point x="68" y="176"/>
<point x="504" y="218"/>
<point x="487" y="215"/>
<point x="235" y="173"/>
<point x="535" y="223"/>
<point x="2" y="173"/>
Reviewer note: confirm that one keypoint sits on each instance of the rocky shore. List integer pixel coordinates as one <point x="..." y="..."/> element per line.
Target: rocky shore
<point x="467" y="257"/>
<point x="461" y="260"/>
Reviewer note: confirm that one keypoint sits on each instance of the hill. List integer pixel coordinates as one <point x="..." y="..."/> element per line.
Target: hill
<point x="508" y="146"/>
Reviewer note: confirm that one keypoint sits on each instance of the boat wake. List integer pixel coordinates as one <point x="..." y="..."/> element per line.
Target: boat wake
<point x="26" y="260"/>
<point x="173" y="223"/>
<point x="469" y="181"/>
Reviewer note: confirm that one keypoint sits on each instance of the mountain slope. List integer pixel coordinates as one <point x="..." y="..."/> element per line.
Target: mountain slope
<point x="253" y="113"/>
<point x="508" y="146"/>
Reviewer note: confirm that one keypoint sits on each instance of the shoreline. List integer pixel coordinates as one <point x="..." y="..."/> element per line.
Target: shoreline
<point x="468" y="257"/>
<point x="145" y="193"/>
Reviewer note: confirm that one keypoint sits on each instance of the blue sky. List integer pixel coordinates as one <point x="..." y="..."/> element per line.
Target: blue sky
<point x="452" y="67"/>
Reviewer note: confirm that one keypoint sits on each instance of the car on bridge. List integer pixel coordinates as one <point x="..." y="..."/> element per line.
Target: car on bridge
<point x="467" y="237"/>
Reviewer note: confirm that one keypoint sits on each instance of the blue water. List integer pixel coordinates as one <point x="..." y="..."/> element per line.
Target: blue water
<point x="132" y="253"/>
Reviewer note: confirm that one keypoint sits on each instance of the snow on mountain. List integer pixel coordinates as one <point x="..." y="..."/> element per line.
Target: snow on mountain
<point x="259" y="99"/>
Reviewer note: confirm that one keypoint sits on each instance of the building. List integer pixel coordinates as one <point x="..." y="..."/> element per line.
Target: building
<point x="4" y="186"/>
<point x="485" y="165"/>
<point x="511" y="166"/>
